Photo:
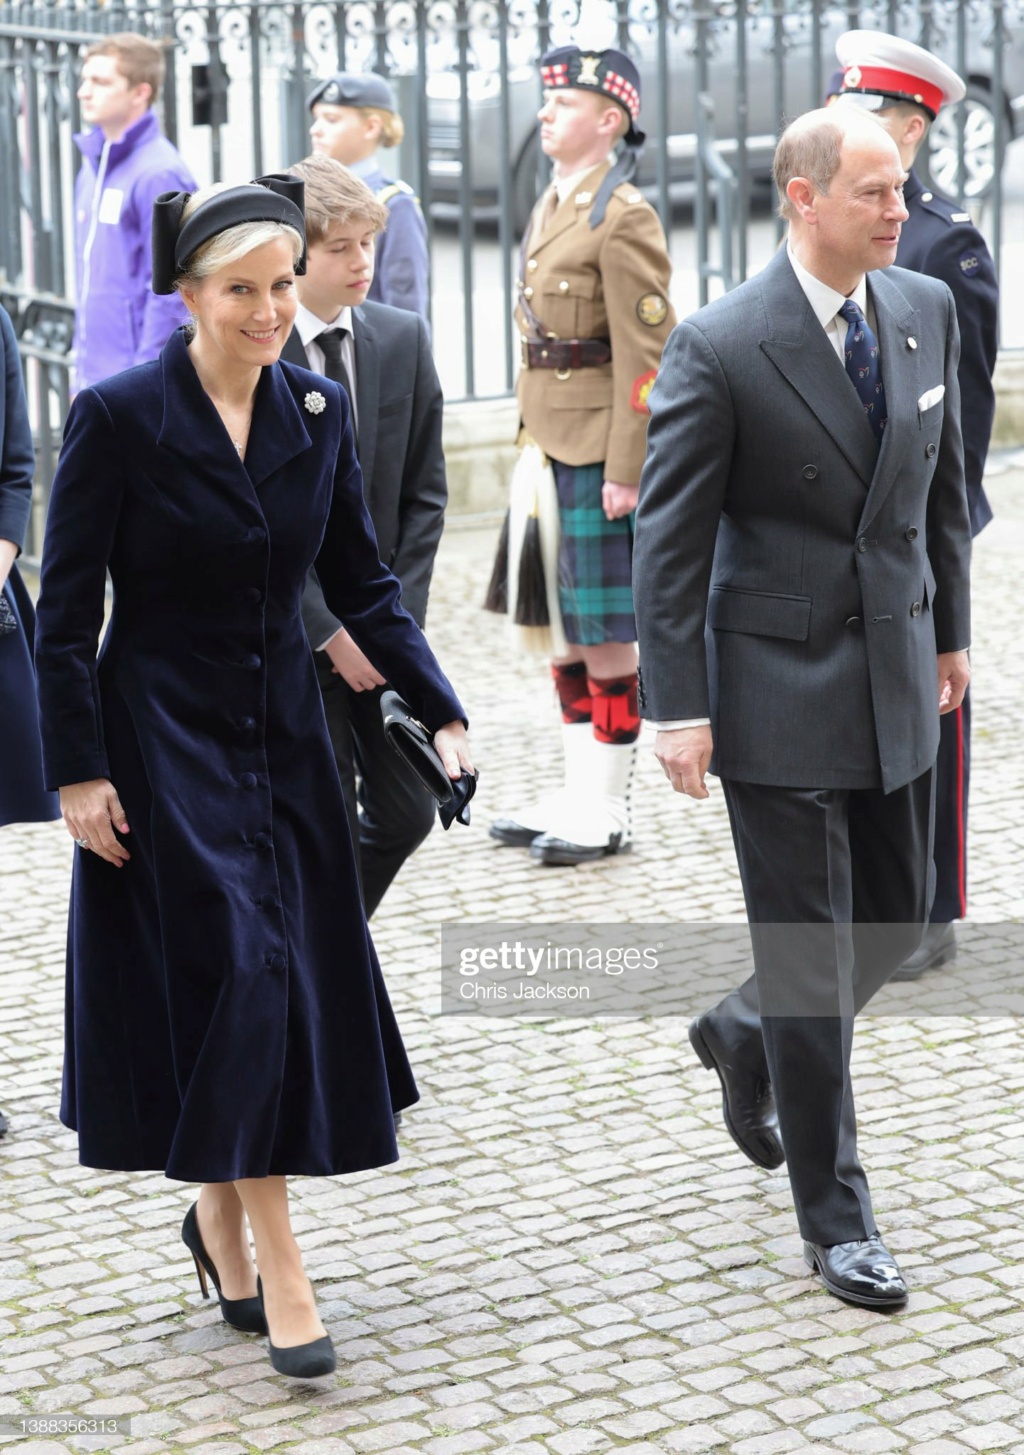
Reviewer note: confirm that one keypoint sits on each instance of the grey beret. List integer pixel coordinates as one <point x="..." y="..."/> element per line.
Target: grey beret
<point x="351" y="88"/>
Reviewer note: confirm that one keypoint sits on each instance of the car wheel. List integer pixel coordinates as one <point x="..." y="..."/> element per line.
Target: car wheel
<point x="525" y="186"/>
<point x="979" y="146"/>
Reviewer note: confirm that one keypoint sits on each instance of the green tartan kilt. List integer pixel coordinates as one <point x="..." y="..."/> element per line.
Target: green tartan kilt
<point x="594" y="562"/>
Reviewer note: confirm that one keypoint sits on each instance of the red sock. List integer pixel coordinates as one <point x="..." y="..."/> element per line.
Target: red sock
<point x="614" y="709"/>
<point x="573" y="692"/>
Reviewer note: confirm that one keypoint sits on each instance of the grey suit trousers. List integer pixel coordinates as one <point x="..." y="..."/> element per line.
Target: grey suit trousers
<point x="838" y="884"/>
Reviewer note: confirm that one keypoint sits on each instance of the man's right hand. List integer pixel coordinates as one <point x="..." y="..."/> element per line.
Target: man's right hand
<point x="349" y="662"/>
<point x="685" y="754"/>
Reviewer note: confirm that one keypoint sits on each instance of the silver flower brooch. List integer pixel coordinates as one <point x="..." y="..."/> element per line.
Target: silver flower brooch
<point x="315" y="402"/>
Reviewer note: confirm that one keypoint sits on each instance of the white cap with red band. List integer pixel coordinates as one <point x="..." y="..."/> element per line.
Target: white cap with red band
<point x="876" y="64"/>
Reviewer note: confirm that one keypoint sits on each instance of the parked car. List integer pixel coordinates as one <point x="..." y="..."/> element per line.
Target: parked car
<point x="772" y="92"/>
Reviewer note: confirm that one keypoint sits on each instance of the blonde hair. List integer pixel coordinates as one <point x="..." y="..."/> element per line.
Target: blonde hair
<point x="392" y="128"/>
<point x="334" y="196"/>
<point x="233" y="243"/>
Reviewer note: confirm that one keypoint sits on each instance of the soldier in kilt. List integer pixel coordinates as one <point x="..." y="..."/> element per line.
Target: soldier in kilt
<point x="593" y="315"/>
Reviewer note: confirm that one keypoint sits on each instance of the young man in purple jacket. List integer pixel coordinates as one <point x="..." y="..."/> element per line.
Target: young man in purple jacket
<point x="126" y="163"/>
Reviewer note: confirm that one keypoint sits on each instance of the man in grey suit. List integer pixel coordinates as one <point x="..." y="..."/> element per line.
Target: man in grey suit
<point x="381" y="356"/>
<point x="801" y="586"/>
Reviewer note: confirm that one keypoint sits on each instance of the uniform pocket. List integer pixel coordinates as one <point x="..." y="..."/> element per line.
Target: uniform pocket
<point x="567" y="305"/>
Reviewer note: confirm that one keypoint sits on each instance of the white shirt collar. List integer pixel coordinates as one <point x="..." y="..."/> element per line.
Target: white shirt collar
<point x="825" y="301"/>
<point x="310" y="326"/>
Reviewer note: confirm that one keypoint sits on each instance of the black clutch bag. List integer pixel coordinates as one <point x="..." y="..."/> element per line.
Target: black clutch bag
<point x="415" y="746"/>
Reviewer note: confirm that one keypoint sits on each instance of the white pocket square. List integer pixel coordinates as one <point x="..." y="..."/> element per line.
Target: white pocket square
<point x="932" y="396"/>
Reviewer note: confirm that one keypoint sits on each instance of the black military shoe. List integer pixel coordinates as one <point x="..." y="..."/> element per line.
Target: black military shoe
<point x="864" y="1272"/>
<point x="748" y="1105"/>
<point x="937" y="947"/>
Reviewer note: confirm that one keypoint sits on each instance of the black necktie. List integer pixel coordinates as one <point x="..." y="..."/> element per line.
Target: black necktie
<point x="862" y="365"/>
<point x="334" y="365"/>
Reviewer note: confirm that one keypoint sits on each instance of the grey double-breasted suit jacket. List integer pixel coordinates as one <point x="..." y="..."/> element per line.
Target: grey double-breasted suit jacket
<point x="791" y="581"/>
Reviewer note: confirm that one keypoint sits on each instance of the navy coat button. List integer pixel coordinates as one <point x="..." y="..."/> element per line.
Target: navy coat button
<point x="911" y="534"/>
<point x="853" y="622"/>
<point x="248" y="780"/>
<point x="256" y="534"/>
<point x="247" y="724"/>
<point x="261" y="841"/>
<point x="915" y="610"/>
<point x="810" y="472"/>
<point x="252" y="593"/>
<point x="276" y="962"/>
<point x="252" y="661"/>
<point x="862" y="544"/>
<point x="930" y="451"/>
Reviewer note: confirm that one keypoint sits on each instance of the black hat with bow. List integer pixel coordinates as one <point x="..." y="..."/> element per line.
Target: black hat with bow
<point x="275" y="198"/>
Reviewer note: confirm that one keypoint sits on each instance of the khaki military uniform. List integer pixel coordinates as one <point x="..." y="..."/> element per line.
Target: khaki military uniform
<point x="609" y="282"/>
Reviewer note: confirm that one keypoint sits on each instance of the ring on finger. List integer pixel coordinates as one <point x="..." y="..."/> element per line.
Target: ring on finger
<point x="82" y="843"/>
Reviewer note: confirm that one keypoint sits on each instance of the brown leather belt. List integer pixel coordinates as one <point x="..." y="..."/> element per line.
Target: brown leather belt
<point x="565" y="353"/>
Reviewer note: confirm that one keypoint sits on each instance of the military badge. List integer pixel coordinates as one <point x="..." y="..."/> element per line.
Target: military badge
<point x="969" y="264"/>
<point x="588" y="71"/>
<point x="641" y="390"/>
<point x="652" y="309"/>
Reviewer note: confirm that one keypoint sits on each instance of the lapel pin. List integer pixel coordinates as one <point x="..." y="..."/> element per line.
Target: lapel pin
<point x="911" y="342"/>
<point x="315" y="402"/>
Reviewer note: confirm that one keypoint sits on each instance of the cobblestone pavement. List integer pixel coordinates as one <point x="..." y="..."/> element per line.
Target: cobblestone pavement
<point x="570" y="1256"/>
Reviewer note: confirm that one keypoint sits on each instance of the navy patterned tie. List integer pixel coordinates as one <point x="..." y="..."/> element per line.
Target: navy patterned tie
<point x="861" y="350"/>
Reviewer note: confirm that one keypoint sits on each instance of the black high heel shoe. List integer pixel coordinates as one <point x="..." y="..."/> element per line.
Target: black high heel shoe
<point x="241" y="1313"/>
<point x="301" y="1361"/>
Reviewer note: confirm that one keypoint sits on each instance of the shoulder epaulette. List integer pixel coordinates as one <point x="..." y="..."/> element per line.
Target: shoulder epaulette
<point x="396" y="189"/>
<point x="944" y="207"/>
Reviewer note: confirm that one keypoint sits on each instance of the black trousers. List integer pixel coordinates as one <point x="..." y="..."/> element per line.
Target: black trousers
<point x="837" y="884"/>
<point x="389" y="813"/>
<point x="952" y="781"/>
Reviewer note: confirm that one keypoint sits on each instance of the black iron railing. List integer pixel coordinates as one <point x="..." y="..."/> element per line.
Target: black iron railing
<point x="718" y="76"/>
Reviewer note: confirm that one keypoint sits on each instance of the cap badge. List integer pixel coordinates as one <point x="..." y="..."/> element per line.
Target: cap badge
<point x="851" y="78"/>
<point x="588" y="71"/>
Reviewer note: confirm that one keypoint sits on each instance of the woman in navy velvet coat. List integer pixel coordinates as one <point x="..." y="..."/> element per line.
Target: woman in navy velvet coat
<point x="227" y="1020"/>
<point x="23" y="798"/>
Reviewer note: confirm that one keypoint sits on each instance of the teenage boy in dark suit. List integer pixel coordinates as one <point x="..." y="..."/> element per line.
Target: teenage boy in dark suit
<point x="381" y="356"/>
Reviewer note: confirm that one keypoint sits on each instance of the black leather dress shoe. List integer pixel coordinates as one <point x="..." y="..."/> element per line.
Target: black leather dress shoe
<point x="748" y="1105"/>
<point x="863" y="1272"/>
<point x="937" y="947"/>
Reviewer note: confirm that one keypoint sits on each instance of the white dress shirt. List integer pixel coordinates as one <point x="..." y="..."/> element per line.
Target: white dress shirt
<point x="309" y="328"/>
<point x="825" y="304"/>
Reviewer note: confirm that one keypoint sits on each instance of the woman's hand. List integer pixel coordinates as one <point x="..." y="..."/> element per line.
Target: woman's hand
<point x="452" y="743"/>
<point x="91" y="812"/>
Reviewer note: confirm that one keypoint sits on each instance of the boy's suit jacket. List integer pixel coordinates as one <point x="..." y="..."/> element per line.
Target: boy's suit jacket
<point x="399" y="411"/>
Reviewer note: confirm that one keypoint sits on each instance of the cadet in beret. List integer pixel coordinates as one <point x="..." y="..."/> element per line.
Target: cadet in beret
<point x="593" y="316"/>
<point x="905" y="86"/>
<point x="353" y="116"/>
